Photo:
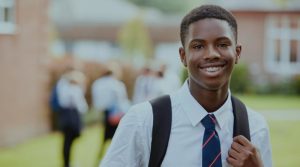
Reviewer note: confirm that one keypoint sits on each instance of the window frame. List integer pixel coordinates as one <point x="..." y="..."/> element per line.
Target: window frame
<point x="7" y="17"/>
<point x="285" y="34"/>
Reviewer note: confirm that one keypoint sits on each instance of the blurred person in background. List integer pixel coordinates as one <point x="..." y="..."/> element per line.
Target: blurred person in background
<point x="166" y="81"/>
<point x="155" y="81"/>
<point x="144" y="84"/>
<point x="70" y="91"/>
<point x="109" y="96"/>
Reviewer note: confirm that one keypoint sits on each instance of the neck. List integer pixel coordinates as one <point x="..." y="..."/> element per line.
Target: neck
<point x="210" y="100"/>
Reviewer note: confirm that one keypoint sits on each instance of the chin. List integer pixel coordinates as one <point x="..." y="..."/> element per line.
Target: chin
<point x="215" y="86"/>
<point x="210" y="84"/>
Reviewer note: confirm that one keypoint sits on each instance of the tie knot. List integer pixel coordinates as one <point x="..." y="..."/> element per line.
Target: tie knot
<point x="209" y="121"/>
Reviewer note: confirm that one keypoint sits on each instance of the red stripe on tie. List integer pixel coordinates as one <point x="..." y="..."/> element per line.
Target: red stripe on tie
<point x="212" y="119"/>
<point x="215" y="159"/>
<point x="208" y="139"/>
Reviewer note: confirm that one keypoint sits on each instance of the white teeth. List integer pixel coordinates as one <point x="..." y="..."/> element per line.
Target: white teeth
<point x="212" y="69"/>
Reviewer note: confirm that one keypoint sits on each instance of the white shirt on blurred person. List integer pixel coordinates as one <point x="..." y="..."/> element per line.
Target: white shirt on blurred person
<point x="108" y="91"/>
<point x="71" y="94"/>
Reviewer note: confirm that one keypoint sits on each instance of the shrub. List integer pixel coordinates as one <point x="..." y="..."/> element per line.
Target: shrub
<point x="296" y="85"/>
<point x="287" y="86"/>
<point x="184" y="75"/>
<point x="240" y="79"/>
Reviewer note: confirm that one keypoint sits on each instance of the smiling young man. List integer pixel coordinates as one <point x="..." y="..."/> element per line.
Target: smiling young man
<point x="202" y="112"/>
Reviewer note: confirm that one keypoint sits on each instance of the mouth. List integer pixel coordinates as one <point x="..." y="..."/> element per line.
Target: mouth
<point x="212" y="69"/>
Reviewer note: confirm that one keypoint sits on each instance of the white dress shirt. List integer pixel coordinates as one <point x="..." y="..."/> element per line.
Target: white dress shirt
<point x="108" y="91"/>
<point x="131" y="144"/>
<point x="71" y="95"/>
<point x="143" y="88"/>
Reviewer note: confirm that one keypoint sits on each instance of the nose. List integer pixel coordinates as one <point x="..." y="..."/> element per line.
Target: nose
<point x="212" y="53"/>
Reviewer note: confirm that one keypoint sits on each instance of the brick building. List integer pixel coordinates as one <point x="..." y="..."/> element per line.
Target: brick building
<point x="24" y="27"/>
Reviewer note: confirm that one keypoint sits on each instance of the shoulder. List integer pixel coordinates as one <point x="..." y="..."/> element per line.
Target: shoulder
<point x="260" y="135"/>
<point x="138" y="115"/>
<point x="98" y="82"/>
<point x="257" y="122"/>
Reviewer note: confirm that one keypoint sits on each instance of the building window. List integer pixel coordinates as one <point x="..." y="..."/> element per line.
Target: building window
<point x="282" y="45"/>
<point x="7" y="17"/>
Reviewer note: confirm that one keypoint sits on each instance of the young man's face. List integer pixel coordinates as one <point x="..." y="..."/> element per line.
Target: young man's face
<point x="209" y="54"/>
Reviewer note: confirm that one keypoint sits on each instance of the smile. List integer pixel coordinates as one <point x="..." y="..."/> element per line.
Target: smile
<point x="213" y="69"/>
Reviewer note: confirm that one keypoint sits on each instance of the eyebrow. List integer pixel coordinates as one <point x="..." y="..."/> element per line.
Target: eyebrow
<point x="197" y="40"/>
<point x="218" y="39"/>
<point x="223" y="38"/>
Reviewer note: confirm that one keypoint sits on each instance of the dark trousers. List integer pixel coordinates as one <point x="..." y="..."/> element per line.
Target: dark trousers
<point x="69" y="137"/>
<point x="109" y="131"/>
<point x="71" y="126"/>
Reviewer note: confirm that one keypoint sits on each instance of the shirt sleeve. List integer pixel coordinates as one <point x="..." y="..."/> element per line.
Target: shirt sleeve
<point x="130" y="144"/>
<point x="79" y="99"/>
<point x="123" y="100"/>
<point x="260" y="137"/>
<point x="97" y="95"/>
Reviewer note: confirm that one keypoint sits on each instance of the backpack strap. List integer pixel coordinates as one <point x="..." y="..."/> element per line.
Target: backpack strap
<point x="54" y="101"/>
<point x="241" y="122"/>
<point x="162" y="120"/>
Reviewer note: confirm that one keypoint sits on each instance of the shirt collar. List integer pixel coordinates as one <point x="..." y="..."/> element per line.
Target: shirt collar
<point x="196" y="112"/>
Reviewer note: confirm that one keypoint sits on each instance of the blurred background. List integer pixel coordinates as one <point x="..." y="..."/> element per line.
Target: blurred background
<point x="39" y="39"/>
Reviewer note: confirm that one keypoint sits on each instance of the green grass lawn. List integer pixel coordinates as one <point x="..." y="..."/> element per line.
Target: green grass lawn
<point x="285" y="143"/>
<point x="271" y="102"/>
<point x="45" y="151"/>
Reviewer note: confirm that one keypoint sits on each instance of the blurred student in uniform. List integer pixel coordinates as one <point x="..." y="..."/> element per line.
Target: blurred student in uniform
<point x="70" y="95"/>
<point x="166" y="80"/>
<point x="109" y="95"/>
<point x="144" y="84"/>
<point x="155" y="81"/>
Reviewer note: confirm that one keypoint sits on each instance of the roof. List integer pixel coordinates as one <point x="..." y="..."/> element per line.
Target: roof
<point x="259" y="5"/>
<point x="101" y="19"/>
<point x="95" y="12"/>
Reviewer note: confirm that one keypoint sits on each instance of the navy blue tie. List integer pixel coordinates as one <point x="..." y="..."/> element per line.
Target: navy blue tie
<point x="211" y="150"/>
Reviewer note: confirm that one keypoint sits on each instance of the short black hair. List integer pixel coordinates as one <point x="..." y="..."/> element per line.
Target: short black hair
<point x="206" y="12"/>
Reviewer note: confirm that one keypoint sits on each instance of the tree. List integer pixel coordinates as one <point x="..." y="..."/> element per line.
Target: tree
<point x="135" y="40"/>
<point x="166" y="6"/>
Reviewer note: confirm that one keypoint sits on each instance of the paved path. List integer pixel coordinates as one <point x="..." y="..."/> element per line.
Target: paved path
<point x="289" y="115"/>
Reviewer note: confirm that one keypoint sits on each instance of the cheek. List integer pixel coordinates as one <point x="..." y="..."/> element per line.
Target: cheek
<point x="194" y="57"/>
<point x="192" y="62"/>
<point x="229" y="55"/>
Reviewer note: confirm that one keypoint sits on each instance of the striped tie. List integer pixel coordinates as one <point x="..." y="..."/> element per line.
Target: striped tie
<point x="211" y="151"/>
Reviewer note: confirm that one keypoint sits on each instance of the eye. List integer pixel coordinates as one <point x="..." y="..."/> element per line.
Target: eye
<point x="198" y="46"/>
<point x="222" y="45"/>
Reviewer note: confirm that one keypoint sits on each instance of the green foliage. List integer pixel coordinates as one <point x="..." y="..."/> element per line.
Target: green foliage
<point x="135" y="40"/>
<point x="288" y="86"/>
<point x="296" y="85"/>
<point x="166" y="6"/>
<point x="184" y="75"/>
<point x="240" y="79"/>
<point x="274" y="88"/>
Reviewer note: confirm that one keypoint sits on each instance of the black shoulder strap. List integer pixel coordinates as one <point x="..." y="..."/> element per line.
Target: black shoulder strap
<point x="162" y="120"/>
<point x="241" y="122"/>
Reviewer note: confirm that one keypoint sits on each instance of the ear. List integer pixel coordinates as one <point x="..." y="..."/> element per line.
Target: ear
<point x="238" y="50"/>
<point x="182" y="56"/>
